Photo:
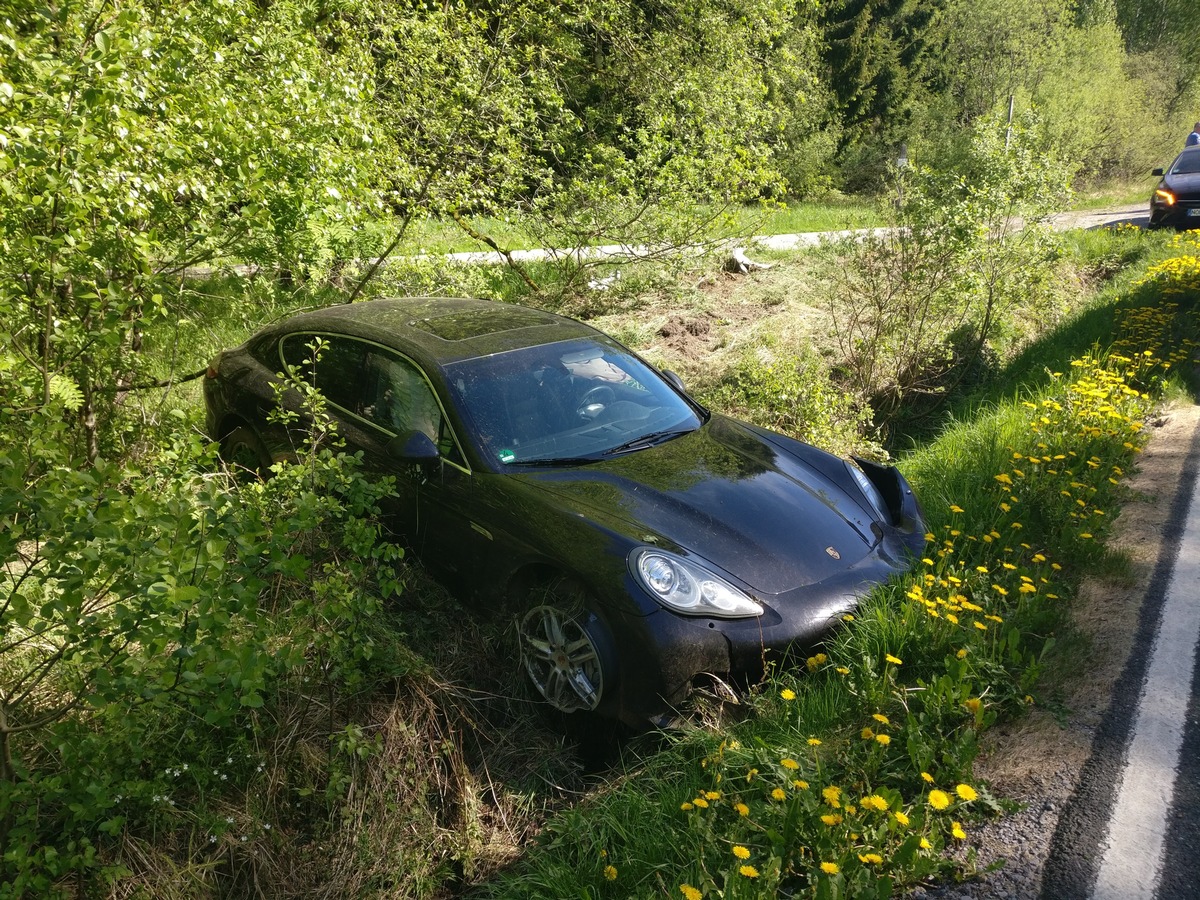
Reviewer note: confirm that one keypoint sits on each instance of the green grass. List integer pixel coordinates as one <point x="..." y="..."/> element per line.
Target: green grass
<point x="1114" y="193"/>
<point x="441" y="236"/>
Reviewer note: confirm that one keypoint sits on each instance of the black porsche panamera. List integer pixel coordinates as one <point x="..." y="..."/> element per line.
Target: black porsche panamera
<point x="643" y="541"/>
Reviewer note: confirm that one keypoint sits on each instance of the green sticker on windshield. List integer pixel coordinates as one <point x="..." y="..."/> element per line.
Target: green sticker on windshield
<point x="507" y="456"/>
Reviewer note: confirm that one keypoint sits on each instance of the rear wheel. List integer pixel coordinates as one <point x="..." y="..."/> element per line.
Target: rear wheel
<point x="244" y="453"/>
<point x="565" y="650"/>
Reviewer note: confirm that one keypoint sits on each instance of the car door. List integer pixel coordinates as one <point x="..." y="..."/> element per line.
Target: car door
<point x="340" y="368"/>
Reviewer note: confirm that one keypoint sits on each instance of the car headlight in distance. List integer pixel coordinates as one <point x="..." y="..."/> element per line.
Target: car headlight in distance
<point x="867" y="486"/>
<point x="688" y="588"/>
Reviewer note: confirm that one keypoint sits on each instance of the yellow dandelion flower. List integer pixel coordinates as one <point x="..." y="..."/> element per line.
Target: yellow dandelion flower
<point x="685" y="806"/>
<point x="610" y="872"/>
<point x="842" y="670"/>
<point x="980" y="626"/>
<point x="712" y="795"/>
<point x="925" y="845"/>
<point x="700" y="802"/>
<point x="741" y="852"/>
<point x="832" y="795"/>
<point x="900" y="817"/>
<point x="927" y="777"/>
<point x="874" y="802"/>
<point x="955" y="508"/>
<point x="881" y="718"/>
<point x="829" y="868"/>
<point x="883" y="739"/>
<point x="787" y="694"/>
<point x="831" y="819"/>
<point x="800" y="784"/>
<point x="973" y="704"/>
<point x="871" y="859"/>
<point x="867" y="734"/>
<point x="789" y="763"/>
<point x="956" y="829"/>
<point x="748" y="872"/>
<point x="893" y="660"/>
<point x="939" y="799"/>
<point x="689" y="892"/>
<point x="778" y="794"/>
<point x="966" y="792"/>
<point x="962" y="654"/>
<point x="742" y="809"/>
<point x="814" y="742"/>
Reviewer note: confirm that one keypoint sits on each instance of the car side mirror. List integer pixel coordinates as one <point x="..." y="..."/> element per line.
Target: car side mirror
<point x="674" y="380"/>
<point x="412" y="447"/>
<point x="1157" y="171"/>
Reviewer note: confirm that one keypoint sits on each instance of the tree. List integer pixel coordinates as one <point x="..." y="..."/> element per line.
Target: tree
<point x="607" y="121"/>
<point x="139" y="139"/>
<point x="879" y="59"/>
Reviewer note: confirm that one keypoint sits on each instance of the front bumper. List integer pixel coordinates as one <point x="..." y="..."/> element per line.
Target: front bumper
<point x="662" y="655"/>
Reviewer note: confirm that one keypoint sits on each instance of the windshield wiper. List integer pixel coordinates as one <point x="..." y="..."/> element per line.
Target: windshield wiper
<point x="648" y="440"/>
<point x="555" y="461"/>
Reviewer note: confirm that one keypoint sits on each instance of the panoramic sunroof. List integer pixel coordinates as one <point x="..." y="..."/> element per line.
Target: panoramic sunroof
<point x="459" y="326"/>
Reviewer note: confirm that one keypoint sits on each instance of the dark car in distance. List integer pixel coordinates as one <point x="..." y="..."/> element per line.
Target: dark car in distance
<point x="642" y="543"/>
<point x="1175" y="202"/>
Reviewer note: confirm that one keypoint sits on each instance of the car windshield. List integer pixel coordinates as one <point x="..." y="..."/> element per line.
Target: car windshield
<point x="571" y="401"/>
<point x="1186" y="164"/>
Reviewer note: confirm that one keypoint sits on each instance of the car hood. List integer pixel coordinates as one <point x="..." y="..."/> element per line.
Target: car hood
<point x="764" y="516"/>
<point x="1188" y="185"/>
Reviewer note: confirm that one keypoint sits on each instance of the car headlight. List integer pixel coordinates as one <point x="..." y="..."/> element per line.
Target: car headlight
<point x="686" y="587"/>
<point x="867" y="486"/>
<point x="1165" y="197"/>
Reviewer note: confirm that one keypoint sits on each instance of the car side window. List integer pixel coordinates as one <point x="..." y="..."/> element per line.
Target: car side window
<point x="397" y="398"/>
<point x="338" y="370"/>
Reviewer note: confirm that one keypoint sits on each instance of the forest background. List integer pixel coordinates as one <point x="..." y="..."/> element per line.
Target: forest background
<point x="146" y="148"/>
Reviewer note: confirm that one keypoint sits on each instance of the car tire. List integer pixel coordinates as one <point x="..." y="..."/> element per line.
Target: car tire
<point x="565" y="649"/>
<point x="245" y="454"/>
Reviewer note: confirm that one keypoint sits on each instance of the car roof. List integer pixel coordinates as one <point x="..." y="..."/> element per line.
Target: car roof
<point x="442" y="329"/>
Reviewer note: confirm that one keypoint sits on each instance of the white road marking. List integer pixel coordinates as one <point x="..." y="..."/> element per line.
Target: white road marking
<point x="1133" y="857"/>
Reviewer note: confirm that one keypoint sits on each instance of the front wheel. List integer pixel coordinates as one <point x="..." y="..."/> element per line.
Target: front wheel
<point x="565" y="654"/>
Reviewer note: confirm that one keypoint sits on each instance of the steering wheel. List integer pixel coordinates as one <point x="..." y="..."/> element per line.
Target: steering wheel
<point x="593" y="402"/>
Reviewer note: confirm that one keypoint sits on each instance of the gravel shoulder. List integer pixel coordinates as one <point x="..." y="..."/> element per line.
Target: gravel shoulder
<point x="1037" y="760"/>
